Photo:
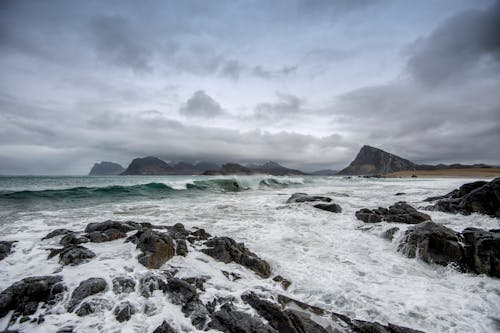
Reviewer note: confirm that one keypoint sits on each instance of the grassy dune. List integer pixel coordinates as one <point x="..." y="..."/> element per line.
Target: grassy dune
<point x="467" y="173"/>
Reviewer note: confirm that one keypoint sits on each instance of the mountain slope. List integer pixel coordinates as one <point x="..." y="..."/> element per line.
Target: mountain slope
<point x="106" y="169"/>
<point x="148" y="166"/>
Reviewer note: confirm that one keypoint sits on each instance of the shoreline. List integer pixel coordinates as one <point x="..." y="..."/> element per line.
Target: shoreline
<point x="448" y="173"/>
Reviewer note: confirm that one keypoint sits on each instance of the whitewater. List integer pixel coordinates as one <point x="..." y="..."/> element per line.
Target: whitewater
<point x="334" y="261"/>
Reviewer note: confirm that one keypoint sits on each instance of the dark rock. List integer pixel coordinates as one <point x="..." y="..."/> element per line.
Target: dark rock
<point x="23" y="296"/>
<point x="389" y="233"/>
<point x="197" y="235"/>
<point x="66" y="329"/>
<point x="368" y="327"/>
<point x="164" y="328"/>
<point x="227" y="250"/>
<point x="122" y="226"/>
<point x="333" y="207"/>
<point x="230" y="169"/>
<point x="275" y="169"/>
<point x="123" y="284"/>
<point x="473" y="198"/>
<point x="73" y="239"/>
<point x="400" y="212"/>
<point x="181" y="248"/>
<point x="482" y="251"/>
<point x="229" y="320"/>
<point x="198" y="281"/>
<point x="270" y="311"/>
<point x="177" y="231"/>
<point x="151" y="282"/>
<point x="432" y="242"/>
<point x="124" y="311"/>
<point x="75" y="255"/>
<point x="157" y="247"/>
<point x="231" y="276"/>
<point x="183" y="293"/>
<point x="148" y="166"/>
<point x="460" y="192"/>
<point x="5" y="249"/>
<point x="93" y="305"/>
<point x="304" y="197"/>
<point x="106" y="236"/>
<point x="106" y="169"/>
<point x="85" y="289"/>
<point x="400" y="193"/>
<point x="284" y="282"/>
<point x="58" y="232"/>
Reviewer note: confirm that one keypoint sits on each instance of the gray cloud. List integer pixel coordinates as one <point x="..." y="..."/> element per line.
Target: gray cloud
<point x="201" y="105"/>
<point x="287" y="104"/>
<point x="265" y="73"/>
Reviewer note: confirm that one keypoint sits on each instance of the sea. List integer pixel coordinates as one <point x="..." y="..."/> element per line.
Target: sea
<point x="333" y="260"/>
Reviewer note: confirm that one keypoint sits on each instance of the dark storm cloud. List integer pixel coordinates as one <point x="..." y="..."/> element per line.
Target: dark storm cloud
<point x="463" y="44"/>
<point x="201" y="105"/>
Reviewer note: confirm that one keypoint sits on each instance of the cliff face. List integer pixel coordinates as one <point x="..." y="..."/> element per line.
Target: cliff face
<point x="148" y="166"/>
<point x="106" y="169"/>
<point x="374" y="161"/>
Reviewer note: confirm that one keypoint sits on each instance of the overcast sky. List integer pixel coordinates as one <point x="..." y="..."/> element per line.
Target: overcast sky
<point x="302" y="82"/>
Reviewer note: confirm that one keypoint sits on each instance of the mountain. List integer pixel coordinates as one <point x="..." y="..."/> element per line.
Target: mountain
<point x="106" y="169"/>
<point x="148" y="166"/>
<point x="230" y="169"/>
<point x="275" y="169"/>
<point x="374" y="161"/>
<point x="325" y="172"/>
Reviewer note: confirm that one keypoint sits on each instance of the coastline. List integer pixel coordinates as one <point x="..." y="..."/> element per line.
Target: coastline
<point x="448" y="173"/>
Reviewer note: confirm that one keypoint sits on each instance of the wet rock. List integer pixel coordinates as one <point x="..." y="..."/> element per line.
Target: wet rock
<point x="332" y="207"/>
<point x="284" y="282"/>
<point x="400" y="193"/>
<point x="66" y="329"/>
<point x="86" y="288"/>
<point x="105" y="236"/>
<point x="183" y="293"/>
<point x="304" y="197"/>
<point x="151" y="282"/>
<point x="177" y="231"/>
<point x="164" y="328"/>
<point x="93" y="305"/>
<point x="74" y="255"/>
<point x="123" y="284"/>
<point x="270" y="311"/>
<point x="122" y="226"/>
<point x="460" y="192"/>
<point x="157" y="247"/>
<point x="198" y="281"/>
<point x="58" y="232"/>
<point x="231" y="276"/>
<point x="473" y="198"/>
<point x="482" y="251"/>
<point x="73" y="239"/>
<point x="181" y="248"/>
<point x="198" y="234"/>
<point x="432" y="242"/>
<point x="400" y="212"/>
<point x="229" y="320"/>
<point x="124" y="311"/>
<point x="24" y="296"/>
<point x="5" y="249"/>
<point x="227" y="250"/>
<point x="389" y="233"/>
<point x="368" y="327"/>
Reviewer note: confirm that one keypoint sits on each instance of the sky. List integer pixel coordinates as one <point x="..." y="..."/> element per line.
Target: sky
<point x="305" y="83"/>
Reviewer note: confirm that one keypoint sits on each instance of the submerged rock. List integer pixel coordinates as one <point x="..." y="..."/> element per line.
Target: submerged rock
<point x="123" y="284"/>
<point x="157" y="247"/>
<point x="105" y="236"/>
<point x="225" y="249"/>
<point x="229" y="320"/>
<point x="124" y="311"/>
<point x="85" y="289"/>
<point x="482" y="251"/>
<point x="93" y="305"/>
<point x="389" y="233"/>
<point x="400" y="212"/>
<point x="5" y="248"/>
<point x="477" y="197"/>
<point x="109" y="224"/>
<point x="304" y="197"/>
<point x="74" y="255"/>
<point x="24" y="296"/>
<point x="333" y="207"/>
<point x="185" y="294"/>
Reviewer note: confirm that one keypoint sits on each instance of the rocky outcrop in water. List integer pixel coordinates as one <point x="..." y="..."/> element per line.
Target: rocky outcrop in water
<point x="400" y="212"/>
<point x="157" y="247"/>
<point x="477" y="197"/>
<point x="5" y="248"/>
<point x="147" y="166"/>
<point x="106" y="169"/>
<point x="304" y="197"/>
<point x="374" y="161"/>
<point x="473" y="250"/>
<point x="85" y="289"/>
<point x="275" y="169"/>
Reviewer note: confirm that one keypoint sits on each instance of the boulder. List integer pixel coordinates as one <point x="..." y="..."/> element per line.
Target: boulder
<point x="433" y="243"/>
<point x="177" y="231"/>
<point x="482" y="251"/>
<point x="229" y="320"/>
<point x="85" y="289"/>
<point x="109" y="224"/>
<point x="105" y="236"/>
<point x="400" y="212"/>
<point x="164" y="328"/>
<point x="181" y="248"/>
<point x="225" y="249"/>
<point x="58" y="232"/>
<point x="93" y="305"/>
<point x="74" y="255"/>
<point x="304" y="197"/>
<point x="184" y="294"/>
<point x="157" y="247"/>
<point x="460" y="192"/>
<point x="73" y="239"/>
<point x="123" y="284"/>
<point x="5" y="248"/>
<point x="153" y="281"/>
<point x="389" y="233"/>
<point x="332" y="207"/>
<point x="24" y="296"/>
<point x="124" y="311"/>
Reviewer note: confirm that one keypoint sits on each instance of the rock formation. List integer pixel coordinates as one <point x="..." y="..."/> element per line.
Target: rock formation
<point x="106" y="169"/>
<point x="148" y="166"/>
<point x="230" y="169"/>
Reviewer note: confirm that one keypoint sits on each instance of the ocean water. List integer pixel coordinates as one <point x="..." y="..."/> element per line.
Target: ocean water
<point x="333" y="260"/>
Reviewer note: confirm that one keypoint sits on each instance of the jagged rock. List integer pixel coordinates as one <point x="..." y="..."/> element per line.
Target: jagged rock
<point x="177" y="231"/>
<point x="124" y="311"/>
<point x="109" y="224"/>
<point x="460" y="192"/>
<point x="93" y="305"/>
<point x="482" y="251"/>
<point x="5" y="248"/>
<point x="229" y="320"/>
<point x="164" y="328"/>
<point x="73" y="239"/>
<point x="432" y="242"/>
<point x="472" y="198"/>
<point x="181" y="248"/>
<point x="368" y="327"/>
<point x="85" y="289"/>
<point x="151" y="282"/>
<point x="304" y="197"/>
<point x="123" y="284"/>
<point x="157" y="247"/>
<point x="198" y="235"/>
<point x="24" y="296"/>
<point x="198" y="281"/>
<point x="183" y="293"/>
<point x="105" y="236"/>
<point x="74" y="255"/>
<point x="389" y="233"/>
<point x="58" y="232"/>
<point x="400" y="212"/>
<point x="333" y="207"/>
<point x="227" y="250"/>
<point x="284" y="282"/>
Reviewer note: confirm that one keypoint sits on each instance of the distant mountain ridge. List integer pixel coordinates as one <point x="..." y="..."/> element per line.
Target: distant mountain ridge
<point x="105" y="168"/>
